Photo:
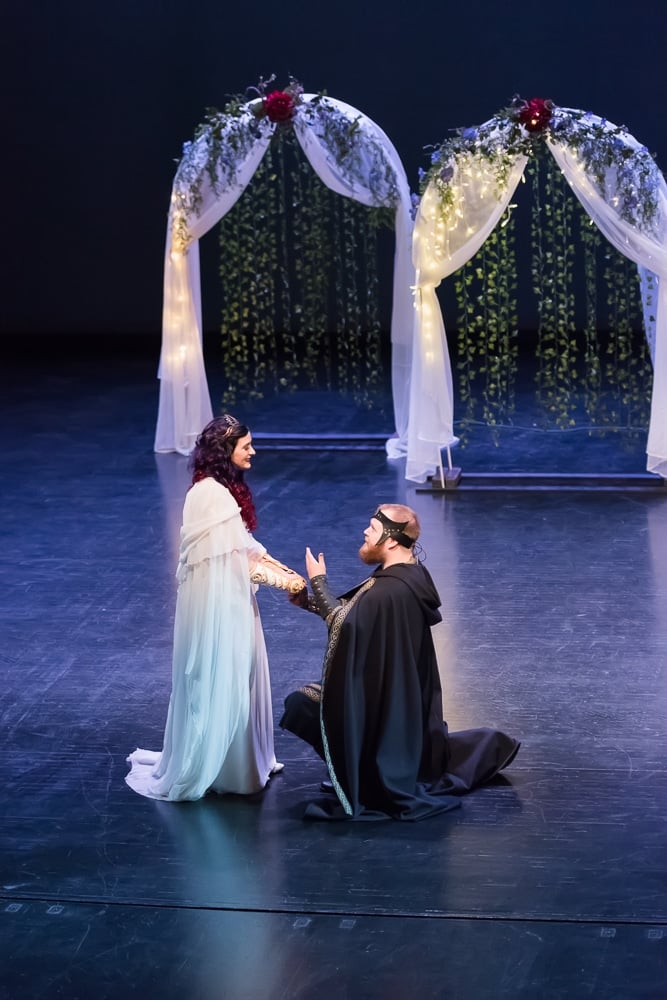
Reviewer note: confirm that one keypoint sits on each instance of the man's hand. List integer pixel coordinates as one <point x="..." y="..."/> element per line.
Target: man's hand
<point x="315" y="567"/>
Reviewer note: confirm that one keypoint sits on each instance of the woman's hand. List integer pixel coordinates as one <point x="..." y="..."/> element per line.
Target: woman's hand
<point x="315" y="567"/>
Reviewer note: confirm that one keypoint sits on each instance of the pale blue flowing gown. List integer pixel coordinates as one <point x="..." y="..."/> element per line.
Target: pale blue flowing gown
<point x="219" y="731"/>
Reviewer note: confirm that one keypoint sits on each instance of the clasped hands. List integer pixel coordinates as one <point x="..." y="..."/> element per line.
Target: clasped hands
<point x="275" y="574"/>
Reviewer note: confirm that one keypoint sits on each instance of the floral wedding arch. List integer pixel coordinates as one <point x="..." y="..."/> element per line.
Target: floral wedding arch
<point x="468" y="189"/>
<point x="349" y="153"/>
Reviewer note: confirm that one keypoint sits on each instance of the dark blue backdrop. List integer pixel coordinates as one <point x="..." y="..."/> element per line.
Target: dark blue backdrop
<point x="100" y="97"/>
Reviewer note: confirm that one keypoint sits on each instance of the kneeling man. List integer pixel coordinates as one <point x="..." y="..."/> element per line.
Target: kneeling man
<point x="376" y="717"/>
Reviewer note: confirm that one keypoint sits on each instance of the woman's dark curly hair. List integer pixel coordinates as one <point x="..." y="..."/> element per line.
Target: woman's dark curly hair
<point x="212" y="456"/>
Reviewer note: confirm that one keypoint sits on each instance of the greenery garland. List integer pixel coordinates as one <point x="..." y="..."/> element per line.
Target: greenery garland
<point x="521" y="130"/>
<point x="299" y="273"/>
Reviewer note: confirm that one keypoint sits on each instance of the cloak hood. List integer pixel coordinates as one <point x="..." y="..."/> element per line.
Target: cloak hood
<point x="419" y="580"/>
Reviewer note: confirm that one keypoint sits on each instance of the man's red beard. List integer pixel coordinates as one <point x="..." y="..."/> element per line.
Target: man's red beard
<point x="371" y="554"/>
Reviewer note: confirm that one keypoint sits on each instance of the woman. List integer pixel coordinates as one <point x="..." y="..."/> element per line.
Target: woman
<point x="219" y="732"/>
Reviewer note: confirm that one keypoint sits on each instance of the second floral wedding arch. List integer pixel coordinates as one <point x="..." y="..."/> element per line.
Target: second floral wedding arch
<point x="469" y="188"/>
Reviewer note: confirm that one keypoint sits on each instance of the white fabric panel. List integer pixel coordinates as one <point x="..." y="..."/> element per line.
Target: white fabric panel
<point x="439" y="249"/>
<point x="649" y="284"/>
<point x="656" y="445"/>
<point x="185" y="404"/>
<point x="647" y="250"/>
<point x="372" y="149"/>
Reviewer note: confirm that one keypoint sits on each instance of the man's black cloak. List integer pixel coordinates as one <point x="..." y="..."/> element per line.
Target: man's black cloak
<point x="381" y="729"/>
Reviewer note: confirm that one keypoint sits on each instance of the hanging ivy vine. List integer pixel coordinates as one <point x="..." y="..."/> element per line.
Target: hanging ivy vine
<point x="299" y="273"/>
<point x="591" y="376"/>
<point x="552" y="269"/>
<point x="628" y="368"/>
<point x="487" y="337"/>
<point x="587" y="355"/>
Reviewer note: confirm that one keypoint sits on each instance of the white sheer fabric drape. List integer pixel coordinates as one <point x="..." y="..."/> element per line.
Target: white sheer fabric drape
<point x="649" y="284"/>
<point x="649" y="252"/>
<point x="439" y="249"/>
<point x="185" y="405"/>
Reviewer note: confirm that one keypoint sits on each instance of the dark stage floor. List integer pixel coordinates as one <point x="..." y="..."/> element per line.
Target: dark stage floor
<point x="550" y="884"/>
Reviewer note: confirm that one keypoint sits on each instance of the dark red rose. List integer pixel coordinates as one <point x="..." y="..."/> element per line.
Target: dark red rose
<point x="279" y="106"/>
<point x="535" y="114"/>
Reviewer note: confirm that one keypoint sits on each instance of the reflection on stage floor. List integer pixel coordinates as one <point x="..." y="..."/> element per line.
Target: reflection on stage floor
<point x="549" y="883"/>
